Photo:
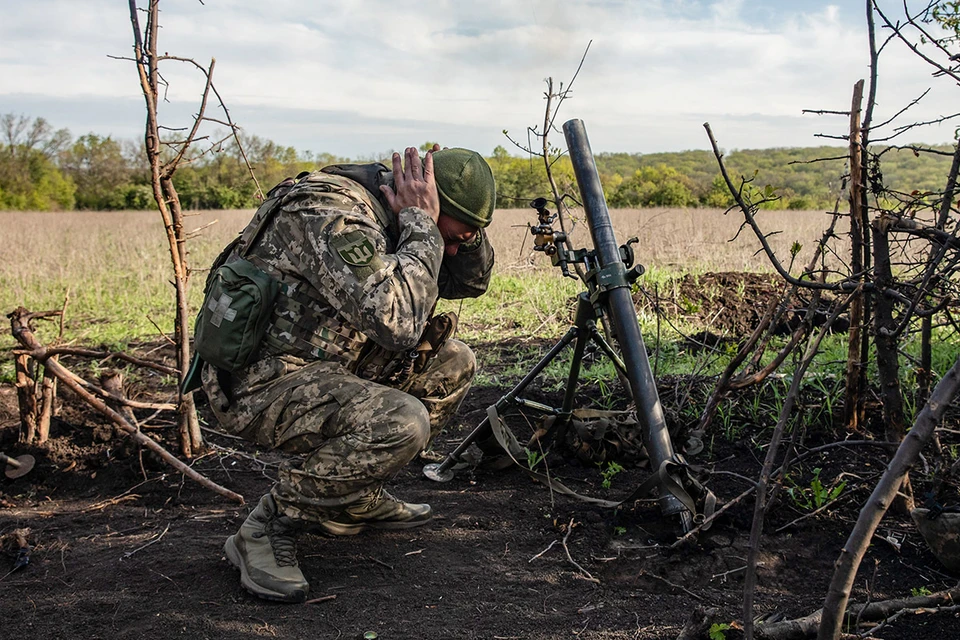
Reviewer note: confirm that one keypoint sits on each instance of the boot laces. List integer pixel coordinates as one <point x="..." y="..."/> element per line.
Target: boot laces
<point x="378" y="497"/>
<point x="282" y="539"/>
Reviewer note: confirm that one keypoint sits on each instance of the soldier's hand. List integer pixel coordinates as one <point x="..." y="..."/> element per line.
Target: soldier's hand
<point x="415" y="184"/>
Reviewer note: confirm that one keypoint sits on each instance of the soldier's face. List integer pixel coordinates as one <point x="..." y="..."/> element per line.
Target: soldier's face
<point x="454" y="233"/>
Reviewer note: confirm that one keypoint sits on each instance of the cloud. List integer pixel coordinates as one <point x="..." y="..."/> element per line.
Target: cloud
<point x="395" y="71"/>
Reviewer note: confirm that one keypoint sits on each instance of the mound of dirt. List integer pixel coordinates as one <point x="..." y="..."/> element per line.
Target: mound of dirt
<point x="731" y="304"/>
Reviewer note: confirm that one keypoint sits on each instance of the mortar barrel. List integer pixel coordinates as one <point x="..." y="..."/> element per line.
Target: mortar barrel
<point x="620" y="306"/>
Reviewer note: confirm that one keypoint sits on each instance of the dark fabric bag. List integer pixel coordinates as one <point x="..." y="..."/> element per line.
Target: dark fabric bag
<point x="235" y="314"/>
<point x="238" y="300"/>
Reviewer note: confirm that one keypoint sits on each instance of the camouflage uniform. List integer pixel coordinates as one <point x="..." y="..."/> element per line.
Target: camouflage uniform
<point x="354" y="276"/>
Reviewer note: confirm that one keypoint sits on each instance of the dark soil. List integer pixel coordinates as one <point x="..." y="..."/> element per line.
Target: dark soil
<point x="123" y="547"/>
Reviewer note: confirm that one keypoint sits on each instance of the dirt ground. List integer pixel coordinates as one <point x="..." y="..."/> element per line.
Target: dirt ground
<point x="123" y="547"/>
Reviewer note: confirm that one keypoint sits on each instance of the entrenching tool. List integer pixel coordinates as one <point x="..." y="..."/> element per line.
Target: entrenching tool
<point x="608" y="275"/>
<point x="16" y="467"/>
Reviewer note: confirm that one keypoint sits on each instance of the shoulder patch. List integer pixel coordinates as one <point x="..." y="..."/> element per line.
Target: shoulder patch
<point x="354" y="248"/>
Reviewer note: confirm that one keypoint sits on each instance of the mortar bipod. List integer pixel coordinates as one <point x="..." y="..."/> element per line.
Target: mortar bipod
<point x="583" y="331"/>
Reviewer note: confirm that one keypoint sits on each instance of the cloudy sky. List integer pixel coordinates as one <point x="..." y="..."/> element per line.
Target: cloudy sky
<point x="356" y="78"/>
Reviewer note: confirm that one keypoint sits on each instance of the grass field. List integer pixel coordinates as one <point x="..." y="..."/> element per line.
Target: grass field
<point x="115" y="267"/>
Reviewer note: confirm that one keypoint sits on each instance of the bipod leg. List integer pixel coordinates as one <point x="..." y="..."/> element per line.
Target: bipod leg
<point x="442" y="471"/>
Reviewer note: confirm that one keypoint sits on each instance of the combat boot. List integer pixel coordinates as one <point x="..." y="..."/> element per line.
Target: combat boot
<point x="265" y="551"/>
<point x="378" y="510"/>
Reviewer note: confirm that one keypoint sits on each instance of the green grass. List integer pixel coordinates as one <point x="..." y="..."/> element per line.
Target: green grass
<point x="114" y="270"/>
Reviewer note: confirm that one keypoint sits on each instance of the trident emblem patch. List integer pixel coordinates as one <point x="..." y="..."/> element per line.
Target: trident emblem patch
<point x="356" y="250"/>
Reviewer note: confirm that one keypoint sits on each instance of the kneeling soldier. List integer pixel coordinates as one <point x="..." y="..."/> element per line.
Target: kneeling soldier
<point x="354" y="375"/>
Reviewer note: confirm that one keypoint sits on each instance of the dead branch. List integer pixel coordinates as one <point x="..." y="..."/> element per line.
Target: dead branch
<point x="112" y="392"/>
<point x="807" y="626"/>
<point x="23" y="333"/>
<point x="549" y="546"/>
<point x="749" y="581"/>
<point x="750" y="219"/>
<point x="321" y="599"/>
<point x="144" y="546"/>
<point x="897" y="30"/>
<point x="779" y="475"/>
<point x="102" y="356"/>
<point x="880" y="500"/>
<point x="26" y="396"/>
<point x="813" y="513"/>
<point x="853" y="389"/>
<point x="586" y="574"/>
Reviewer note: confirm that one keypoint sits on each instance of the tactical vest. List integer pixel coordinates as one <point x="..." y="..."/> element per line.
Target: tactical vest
<point x="303" y="323"/>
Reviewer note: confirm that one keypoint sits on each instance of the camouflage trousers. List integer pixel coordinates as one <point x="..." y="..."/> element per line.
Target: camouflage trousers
<point x="348" y="435"/>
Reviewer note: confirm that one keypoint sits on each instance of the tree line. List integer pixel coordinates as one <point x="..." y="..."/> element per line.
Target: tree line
<point x="43" y="168"/>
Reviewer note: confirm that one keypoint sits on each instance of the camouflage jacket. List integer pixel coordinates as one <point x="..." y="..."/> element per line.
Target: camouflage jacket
<point x="354" y="271"/>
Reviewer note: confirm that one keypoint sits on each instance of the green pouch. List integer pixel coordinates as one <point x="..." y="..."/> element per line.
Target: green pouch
<point x="235" y="314"/>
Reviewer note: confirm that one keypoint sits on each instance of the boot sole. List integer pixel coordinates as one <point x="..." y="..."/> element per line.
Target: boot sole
<point x="340" y="529"/>
<point x="233" y="555"/>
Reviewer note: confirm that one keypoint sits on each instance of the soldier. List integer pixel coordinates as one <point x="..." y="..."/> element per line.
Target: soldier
<point x="362" y="255"/>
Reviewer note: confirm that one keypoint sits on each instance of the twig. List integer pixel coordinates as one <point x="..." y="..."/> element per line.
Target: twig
<point x="223" y="434"/>
<point x="806" y="454"/>
<point x="161" y="332"/>
<point x="113" y="397"/>
<point x="549" y="546"/>
<point x="806" y="626"/>
<point x="727" y="573"/>
<point x="380" y="562"/>
<point x="141" y="548"/>
<point x="102" y="355"/>
<point x="585" y="573"/>
<point x="109" y="503"/>
<point x="812" y="513"/>
<point x="321" y="599"/>
<point x="671" y="584"/>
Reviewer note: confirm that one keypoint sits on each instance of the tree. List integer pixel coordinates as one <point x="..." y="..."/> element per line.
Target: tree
<point x="29" y="177"/>
<point x="659" y="186"/>
<point x="98" y="168"/>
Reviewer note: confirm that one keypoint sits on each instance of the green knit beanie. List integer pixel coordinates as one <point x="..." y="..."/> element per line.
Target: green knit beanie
<point x="466" y="186"/>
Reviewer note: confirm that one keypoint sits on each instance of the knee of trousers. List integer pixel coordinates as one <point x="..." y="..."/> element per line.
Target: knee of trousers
<point x="457" y="362"/>
<point x="409" y="422"/>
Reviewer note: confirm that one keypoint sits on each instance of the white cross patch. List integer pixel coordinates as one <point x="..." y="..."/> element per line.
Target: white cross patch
<point x="221" y="310"/>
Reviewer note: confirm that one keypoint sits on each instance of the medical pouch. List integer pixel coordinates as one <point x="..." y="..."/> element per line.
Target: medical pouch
<point x="235" y="314"/>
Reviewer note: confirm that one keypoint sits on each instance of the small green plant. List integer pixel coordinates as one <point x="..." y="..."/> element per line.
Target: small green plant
<point x="619" y="531"/>
<point x="718" y="631"/>
<point x="917" y="592"/>
<point x="611" y="470"/>
<point x="534" y="458"/>
<point x="731" y="430"/>
<point x="816" y="494"/>
<point x="827" y="389"/>
<point x="688" y="306"/>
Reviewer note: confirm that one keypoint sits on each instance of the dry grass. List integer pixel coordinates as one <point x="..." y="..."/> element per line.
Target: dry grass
<point x="687" y="240"/>
<point x="115" y="265"/>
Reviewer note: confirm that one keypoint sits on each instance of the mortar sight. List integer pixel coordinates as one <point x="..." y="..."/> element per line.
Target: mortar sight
<point x="540" y="204"/>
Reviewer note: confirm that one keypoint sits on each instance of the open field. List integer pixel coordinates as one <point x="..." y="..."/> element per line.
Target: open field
<point x="115" y="265"/>
<point x="122" y="547"/>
